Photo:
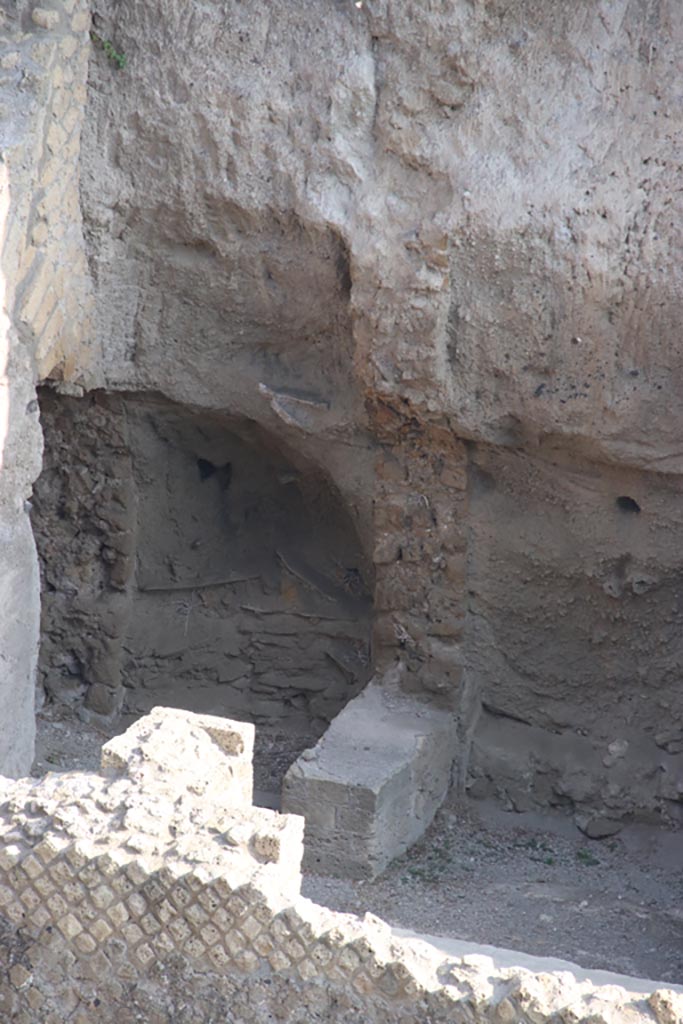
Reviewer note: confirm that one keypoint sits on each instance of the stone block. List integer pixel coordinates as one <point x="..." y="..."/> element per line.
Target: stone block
<point x="383" y="767"/>
<point x="69" y="46"/>
<point x="43" y="18"/>
<point x="39" y="234"/>
<point x="80" y="21"/>
<point x="216" y="754"/>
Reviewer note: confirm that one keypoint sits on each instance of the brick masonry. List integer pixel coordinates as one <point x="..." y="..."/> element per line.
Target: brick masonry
<point x="47" y="69"/>
<point x="45" y="305"/>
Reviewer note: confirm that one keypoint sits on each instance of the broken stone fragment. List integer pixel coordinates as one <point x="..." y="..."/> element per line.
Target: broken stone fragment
<point x="615" y="751"/>
<point x="520" y="800"/>
<point x="670" y="740"/>
<point x="101" y="699"/>
<point x="667" y="1006"/>
<point x="598" y="826"/>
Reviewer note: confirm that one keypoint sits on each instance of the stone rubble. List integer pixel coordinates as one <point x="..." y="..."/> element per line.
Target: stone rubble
<point x="156" y="892"/>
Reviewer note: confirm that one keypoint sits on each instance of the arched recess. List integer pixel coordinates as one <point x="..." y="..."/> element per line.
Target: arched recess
<point x="187" y="561"/>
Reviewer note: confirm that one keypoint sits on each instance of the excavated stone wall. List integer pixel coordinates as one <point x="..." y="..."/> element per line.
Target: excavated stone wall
<point x="183" y="559"/>
<point x="434" y="247"/>
<point x="434" y="250"/>
<point x="45" y="64"/>
<point x="575" y="635"/>
<point x="45" y="305"/>
<point x="84" y="521"/>
<point x="155" y="891"/>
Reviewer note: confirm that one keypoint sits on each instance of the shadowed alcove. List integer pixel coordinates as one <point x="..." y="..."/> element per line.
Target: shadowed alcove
<point x="188" y="561"/>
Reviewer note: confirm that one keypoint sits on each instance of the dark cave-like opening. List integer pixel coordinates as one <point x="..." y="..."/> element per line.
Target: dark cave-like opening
<point x="186" y="561"/>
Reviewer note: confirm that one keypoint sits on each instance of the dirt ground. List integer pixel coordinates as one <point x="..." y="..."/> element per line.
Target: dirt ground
<point x="484" y="875"/>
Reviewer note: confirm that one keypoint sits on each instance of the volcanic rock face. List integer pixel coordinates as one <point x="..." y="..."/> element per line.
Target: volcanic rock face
<point x="433" y="250"/>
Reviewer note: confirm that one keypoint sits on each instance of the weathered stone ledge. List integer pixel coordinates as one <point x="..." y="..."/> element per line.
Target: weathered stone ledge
<point x="156" y="892"/>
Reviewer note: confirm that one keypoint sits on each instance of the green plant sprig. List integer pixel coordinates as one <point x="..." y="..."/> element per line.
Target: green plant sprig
<point x="117" y="58"/>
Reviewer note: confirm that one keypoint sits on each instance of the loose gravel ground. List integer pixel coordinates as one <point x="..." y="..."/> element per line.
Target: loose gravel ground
<point x="534" y="884"/>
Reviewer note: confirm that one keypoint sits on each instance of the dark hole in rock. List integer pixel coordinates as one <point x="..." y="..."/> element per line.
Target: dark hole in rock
<point x="481" y="482"/>
<point x="206" y="468"/>
<point x="626" y="504"/>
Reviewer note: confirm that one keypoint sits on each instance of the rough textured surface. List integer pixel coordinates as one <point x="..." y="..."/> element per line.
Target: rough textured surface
<point x="84" y="521"/>
<point x="373" y="783"/>
<point x="43" y="322"/>
<point x="432" y="252"/>
<point x="155" y="891"/>
<point x="436" y="257"/>
<point x="530" y="882"/>
<point x="580" y="683"/>
<point x="183" y="557"/>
